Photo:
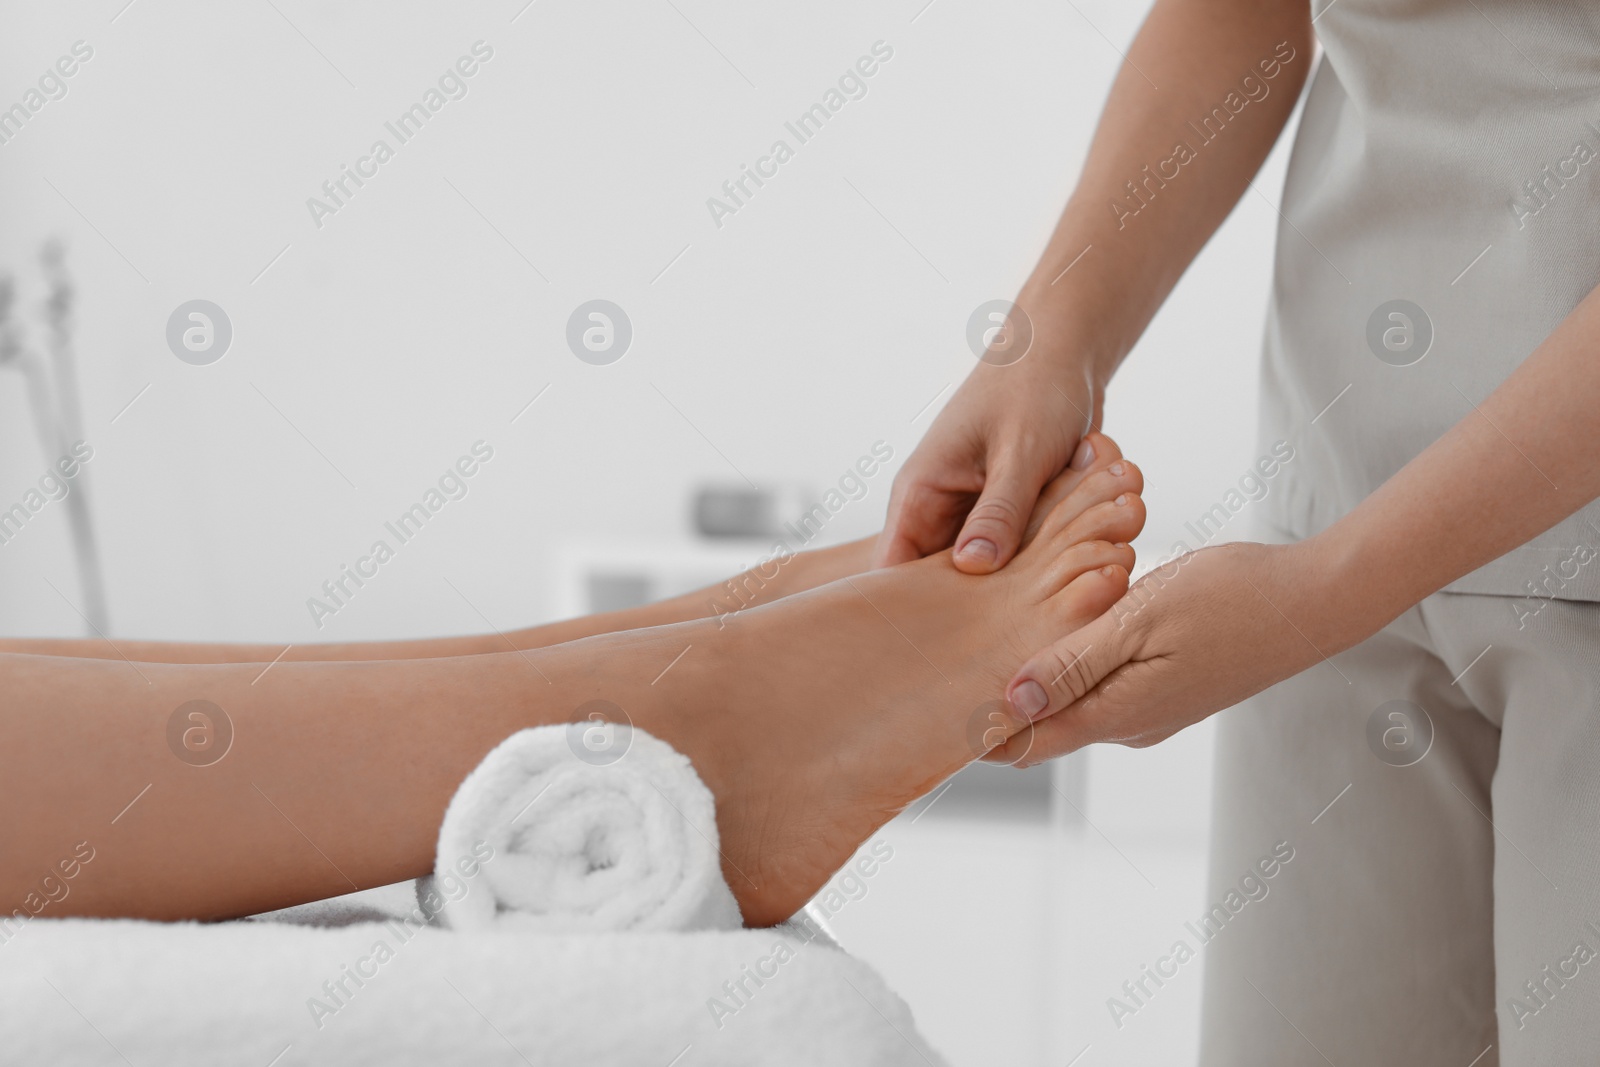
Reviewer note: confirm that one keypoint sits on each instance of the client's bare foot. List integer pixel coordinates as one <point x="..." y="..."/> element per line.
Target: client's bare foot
<point x="784" y="575"/>
<point x="815" y="719"/>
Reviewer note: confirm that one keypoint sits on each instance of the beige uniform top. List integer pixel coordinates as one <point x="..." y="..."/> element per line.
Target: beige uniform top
<point x="1442" y="216"/>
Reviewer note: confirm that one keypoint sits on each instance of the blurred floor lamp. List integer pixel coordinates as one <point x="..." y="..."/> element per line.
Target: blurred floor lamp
<point x="52" y="386"/>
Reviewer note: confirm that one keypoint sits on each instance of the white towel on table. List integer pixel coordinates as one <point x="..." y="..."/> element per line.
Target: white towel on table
<point x="545" y="836"/>
<point x="95" y="993"/>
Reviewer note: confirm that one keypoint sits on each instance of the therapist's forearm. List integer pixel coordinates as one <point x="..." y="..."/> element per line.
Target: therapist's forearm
<point x="1522" y="461"/>
<point x="1187" y="59"/>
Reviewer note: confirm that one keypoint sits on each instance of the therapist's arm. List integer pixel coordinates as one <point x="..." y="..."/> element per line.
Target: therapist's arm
<point x="1218" y="78"/>
<point x="1236" y="619"/>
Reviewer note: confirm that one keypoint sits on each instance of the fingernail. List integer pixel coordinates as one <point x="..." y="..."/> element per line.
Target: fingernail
<point x="1083" y="456"/>
<point x="978" y="550"/>
<point x="1029" y="698"/>
<point x="1118" y="468"/>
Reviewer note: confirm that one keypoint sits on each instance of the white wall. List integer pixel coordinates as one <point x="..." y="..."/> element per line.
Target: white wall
<point x="416" y="321"/>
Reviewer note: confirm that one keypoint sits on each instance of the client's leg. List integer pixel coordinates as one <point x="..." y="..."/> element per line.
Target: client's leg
<point x="812" y="720"/>
<point x="771" y="581"/>
<point x="760" y="585"/>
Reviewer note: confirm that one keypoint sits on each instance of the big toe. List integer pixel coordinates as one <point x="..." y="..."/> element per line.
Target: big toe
<point x="1104" y="504"/>
<point x="1103" y="452"/>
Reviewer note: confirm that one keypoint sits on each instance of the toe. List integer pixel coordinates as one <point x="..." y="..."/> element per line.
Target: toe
<point x="1119" y="519"/>
<point x="1090" y="595"/>
<point x="1079" y="601"/>
<point x="1085" y="556"/>
<point x="1101" y="486"/>
<point x="1104" y="452"/>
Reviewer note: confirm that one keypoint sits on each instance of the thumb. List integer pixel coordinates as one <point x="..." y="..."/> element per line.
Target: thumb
<point x="1066" y="671"/>
<point x="995" y="525"/>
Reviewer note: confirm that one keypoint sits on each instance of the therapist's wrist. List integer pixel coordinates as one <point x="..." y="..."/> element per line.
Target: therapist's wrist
<point x="1358" y="595"/>
<point x="1069" y="341"/>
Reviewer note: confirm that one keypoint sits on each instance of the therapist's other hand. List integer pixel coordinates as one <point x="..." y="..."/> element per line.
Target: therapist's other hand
<point x="975" y="477"/>
<point x="1195" y="636"/>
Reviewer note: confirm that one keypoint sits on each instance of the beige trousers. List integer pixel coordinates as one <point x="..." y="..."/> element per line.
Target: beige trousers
<point x="1440" y="787"/>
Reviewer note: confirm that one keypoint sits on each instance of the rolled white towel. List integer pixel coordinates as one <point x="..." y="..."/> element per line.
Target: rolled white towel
<point x="623" y="842"/>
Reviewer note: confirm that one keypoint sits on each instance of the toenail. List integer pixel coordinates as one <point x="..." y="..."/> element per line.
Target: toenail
<point x="1121" y="544"/>
<point x="1118" y="468"/>
<point x="978" y="550"/>
<point x="1029" y="698"/>
<point x="1124" y="500"/>
<point x="1083" y="456"/>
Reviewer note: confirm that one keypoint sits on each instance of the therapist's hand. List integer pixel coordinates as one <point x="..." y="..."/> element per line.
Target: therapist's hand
<point x="1189" y="639"/>
<point x="1006" y="433"/>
